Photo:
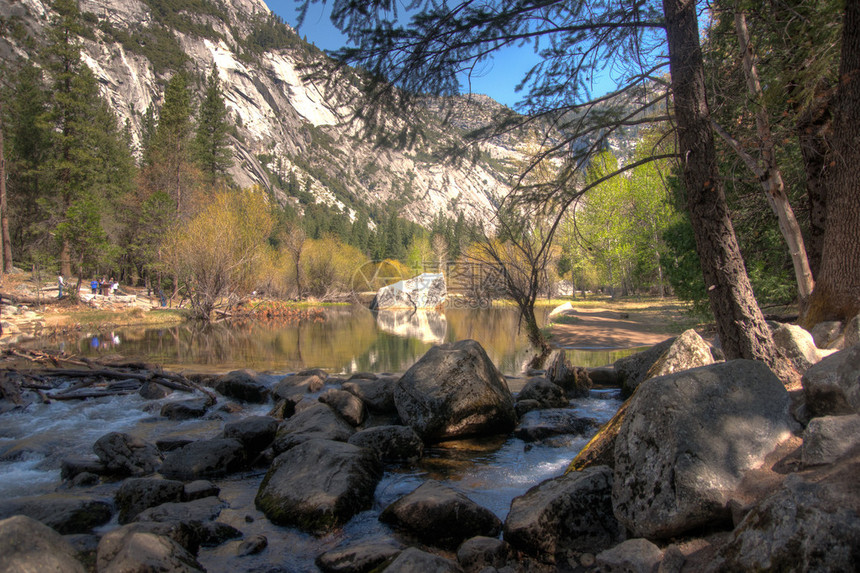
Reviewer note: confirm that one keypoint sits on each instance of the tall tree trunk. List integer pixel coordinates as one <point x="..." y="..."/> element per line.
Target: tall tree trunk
<point x="814" y="126"/>
<point x="66" y="258"/>
<point x="771" y="178"/>
<point x="740" y="323"/>
<point x="837" y="291"/>
<point x="5" y="242"/>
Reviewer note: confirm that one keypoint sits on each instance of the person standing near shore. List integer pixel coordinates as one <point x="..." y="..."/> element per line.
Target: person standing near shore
<point x="60" y="284"/>
<point x="95" y="286"/>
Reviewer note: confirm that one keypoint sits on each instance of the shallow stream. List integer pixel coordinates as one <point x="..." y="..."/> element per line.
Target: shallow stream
<point x="490" y="471"/>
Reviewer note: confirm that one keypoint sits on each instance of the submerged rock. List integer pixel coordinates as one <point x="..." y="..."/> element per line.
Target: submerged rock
<point x="319" y="485"/>
<point x="537" y="425"/>
<point x="688" y="439"/>
<point x="453" y="391"/>
<point x="439" y="515"/>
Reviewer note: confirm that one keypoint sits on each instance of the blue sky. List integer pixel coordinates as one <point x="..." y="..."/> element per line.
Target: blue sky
<point x="496" y="79"/>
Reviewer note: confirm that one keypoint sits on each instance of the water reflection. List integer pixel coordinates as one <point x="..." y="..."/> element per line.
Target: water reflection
<point x="349" y="339"/>
<point x="426" y="326"/>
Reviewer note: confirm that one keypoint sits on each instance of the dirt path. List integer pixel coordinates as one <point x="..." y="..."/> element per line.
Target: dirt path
<point x="602" y="328"/>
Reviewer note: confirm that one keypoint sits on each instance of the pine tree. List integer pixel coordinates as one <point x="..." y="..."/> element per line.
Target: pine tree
<point x="211" y="148"/>
<point x="169" y="163"/>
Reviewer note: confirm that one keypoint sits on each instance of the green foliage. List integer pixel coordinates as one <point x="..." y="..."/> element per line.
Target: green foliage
<point x="156" y="43"/>
<point x="211" y="149"/>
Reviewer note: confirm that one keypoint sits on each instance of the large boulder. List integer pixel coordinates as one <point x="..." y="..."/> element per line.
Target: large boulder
<point x="810" y="524"/>
<point x="133" y="549"/>
<point x="570" y="513"/>
<point x="204" y="459"/>
<point x="29" y="547"/>
<point x="137" y="494"/>
<point x="391" y="443"/>
<point x="360" y="557"/>
<point x="62" y="513"/>
<point x="123" y="454"/>
<point x="687" y="440"/>
<point x="242" y="385"/>
<point x="631" y="370"/>
<point x="318" y="422"/>
<point x="687" y="351"/>
<point x="319" y="485"/>
<point x="832" y="387"/>
<point x="798" y="346"/>
<point x="455" y="391"/>
<point x="427" y="290"/>
<point x="439" y="515"/>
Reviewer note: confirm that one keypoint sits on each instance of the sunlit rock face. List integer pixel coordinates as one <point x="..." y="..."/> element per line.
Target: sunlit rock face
<point x="428" y="326"/>
<point x="284" y="122"/>
<point x="427" y="290"/>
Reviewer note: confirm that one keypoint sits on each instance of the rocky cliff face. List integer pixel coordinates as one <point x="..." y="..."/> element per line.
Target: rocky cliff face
<point x="285" y="123"/>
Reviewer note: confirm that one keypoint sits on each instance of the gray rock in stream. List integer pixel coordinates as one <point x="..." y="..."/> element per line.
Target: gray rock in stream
<point x="441" y="516"/>
<point x="537" y="425"/>
<point x="455" y="391"/>
<point x="360" y="557"/>
<point x="413" y="560"/>
<point x="138" y="494"/>
<point x="570" y="513"/>
<point x="377" y="395"/>
<point x="243" y="385"/>
<point x="547" y="394"/>
<point x="391" y="443"/>
<point x="319" y="485"/>
<point x="255" y="432"/>
<point x="123" y="454"/>
<point x="132" y="549"/>
<point x="349" y="406"/>
<point x="204" y="459"/>
<point x="318" y="421"/>
<point x="30" y="547"/>
<point x="61" y="512"/>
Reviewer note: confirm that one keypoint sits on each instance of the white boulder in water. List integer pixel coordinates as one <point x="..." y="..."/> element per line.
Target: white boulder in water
<point x="427" y="290"/>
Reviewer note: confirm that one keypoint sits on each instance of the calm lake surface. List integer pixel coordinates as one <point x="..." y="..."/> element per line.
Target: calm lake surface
<point x="349" y="339"/>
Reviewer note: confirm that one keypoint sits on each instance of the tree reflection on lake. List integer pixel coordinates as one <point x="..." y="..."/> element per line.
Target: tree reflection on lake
<point x="349" y="339"/>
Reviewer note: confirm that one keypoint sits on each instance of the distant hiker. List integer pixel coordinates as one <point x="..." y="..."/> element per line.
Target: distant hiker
<point x="162" y="297"/>
<point x="114" y="284"/>
<point x="95" y="286"/>
<point x="60" y="286"/>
